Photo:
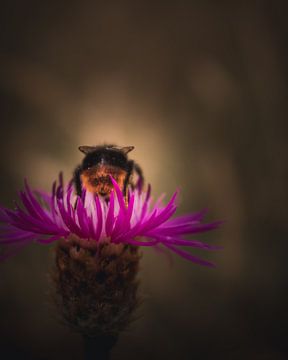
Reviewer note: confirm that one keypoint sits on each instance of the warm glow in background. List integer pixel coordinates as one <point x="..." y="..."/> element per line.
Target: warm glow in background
<point x="199" y="89"/>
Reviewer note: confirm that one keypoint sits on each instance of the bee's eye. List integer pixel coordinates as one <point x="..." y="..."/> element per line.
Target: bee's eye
<point x="95" y="181"/>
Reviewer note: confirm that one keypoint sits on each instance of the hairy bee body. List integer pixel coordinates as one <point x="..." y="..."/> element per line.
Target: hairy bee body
<point x="102" y="162"/>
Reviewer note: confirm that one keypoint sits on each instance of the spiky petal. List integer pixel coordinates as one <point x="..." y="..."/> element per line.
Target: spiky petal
<point x="46" y="218"/>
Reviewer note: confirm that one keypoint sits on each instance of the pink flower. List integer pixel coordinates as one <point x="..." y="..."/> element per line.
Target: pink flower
<point x="45" y="218"/>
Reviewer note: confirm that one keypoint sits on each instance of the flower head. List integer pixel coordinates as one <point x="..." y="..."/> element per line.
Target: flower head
<point x="45" y="218"/>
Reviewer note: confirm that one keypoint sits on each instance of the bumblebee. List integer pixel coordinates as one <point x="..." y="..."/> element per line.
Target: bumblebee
<point x="101" y="162"/>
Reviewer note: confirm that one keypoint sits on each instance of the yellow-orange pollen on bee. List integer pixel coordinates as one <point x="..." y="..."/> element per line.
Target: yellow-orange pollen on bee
<point x="96" y="179"/>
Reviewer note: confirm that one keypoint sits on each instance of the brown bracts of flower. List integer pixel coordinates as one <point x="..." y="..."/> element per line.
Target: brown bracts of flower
<point x="96" y="289"/>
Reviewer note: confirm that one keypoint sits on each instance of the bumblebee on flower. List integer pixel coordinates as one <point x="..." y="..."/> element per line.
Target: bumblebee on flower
<point x="99" y="227"/>
<point x="142" y="222"/>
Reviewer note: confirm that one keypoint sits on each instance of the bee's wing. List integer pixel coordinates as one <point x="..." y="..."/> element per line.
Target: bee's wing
<point x="124" y="149"/>
<point x="87" y="149"/>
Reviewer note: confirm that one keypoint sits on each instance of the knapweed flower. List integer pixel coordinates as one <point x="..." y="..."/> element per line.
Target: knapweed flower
<point x="45" y="218"/>
<point x="97" y="257"/>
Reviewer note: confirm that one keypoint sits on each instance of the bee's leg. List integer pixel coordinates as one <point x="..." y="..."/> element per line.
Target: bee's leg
<point x="77" y="182"/>
<point x="126" y="197"/>
<point x="127" y="180"/>
<point x="139" y="172"/>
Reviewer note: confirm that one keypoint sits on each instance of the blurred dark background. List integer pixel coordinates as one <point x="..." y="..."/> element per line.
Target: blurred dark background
<point x="199" y="88"/>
